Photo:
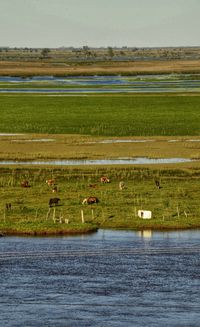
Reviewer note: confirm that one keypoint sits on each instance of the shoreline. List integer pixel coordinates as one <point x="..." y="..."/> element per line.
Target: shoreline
<point x="90" y="231"/>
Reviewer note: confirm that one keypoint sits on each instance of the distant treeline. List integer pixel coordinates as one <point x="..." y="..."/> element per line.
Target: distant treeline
<point x="63" y="54"/>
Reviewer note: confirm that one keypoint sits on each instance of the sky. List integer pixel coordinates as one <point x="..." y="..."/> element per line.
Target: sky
<point x="96" y="23"/>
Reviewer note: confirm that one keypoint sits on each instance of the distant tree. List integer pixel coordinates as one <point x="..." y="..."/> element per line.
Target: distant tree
<point x="45" y="52"/>
<point x="110" y="52"/>
<point x="86" y="51"/>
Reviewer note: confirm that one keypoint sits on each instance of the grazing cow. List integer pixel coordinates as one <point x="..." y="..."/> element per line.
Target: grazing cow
<point x="104" y="179"/>
<point x="50" y="182"/>
<point x="90" y="200"/>
<point x="158" y="184"/>
<point x="93" y="185"/>
<point x="25" y="184"/>
<point x="8" y="206"/>
<point x="54" y="189"/>
<point x="53" y="201"/>
<point x="121" y="185"/>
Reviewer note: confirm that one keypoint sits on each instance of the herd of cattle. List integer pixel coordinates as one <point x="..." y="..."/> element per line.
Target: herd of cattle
<point x="89" y="200"/>
<point x="55" y="201"/>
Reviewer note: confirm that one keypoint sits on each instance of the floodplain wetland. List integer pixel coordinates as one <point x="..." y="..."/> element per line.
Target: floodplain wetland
<point x="97" y="127"/>
<point x="127" y="271"/>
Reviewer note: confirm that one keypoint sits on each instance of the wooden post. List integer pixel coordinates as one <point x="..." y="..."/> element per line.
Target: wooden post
<point x="54" y="215"/>
<point x="82" y="217"/>
<point x="48" y="213"/>
<point x="61" y="217"/>
<point x="178" y="213"/>
<point x="92" y="214"/>
<point x="103" y="217"/>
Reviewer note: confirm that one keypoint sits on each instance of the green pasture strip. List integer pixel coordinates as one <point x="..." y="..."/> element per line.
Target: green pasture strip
<point x="131" y="115"/>
<point x="174" y="206"/>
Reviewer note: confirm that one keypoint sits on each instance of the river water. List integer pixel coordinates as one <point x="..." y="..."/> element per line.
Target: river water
<point x="109" y="278"/>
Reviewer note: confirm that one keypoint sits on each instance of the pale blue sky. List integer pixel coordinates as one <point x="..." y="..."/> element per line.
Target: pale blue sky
<point x="139" y="23"/>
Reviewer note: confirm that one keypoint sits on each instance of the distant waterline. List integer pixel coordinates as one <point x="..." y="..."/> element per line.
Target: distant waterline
<point x="118" y="161"/>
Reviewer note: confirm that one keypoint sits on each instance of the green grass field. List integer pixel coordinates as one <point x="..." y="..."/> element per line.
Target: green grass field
<point x="145" y="115"/>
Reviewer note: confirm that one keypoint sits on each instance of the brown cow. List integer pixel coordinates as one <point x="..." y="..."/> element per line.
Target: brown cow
<point x="25" y="184"/>
<point x="90" y="200"/>
<point x="104" y="179"/>
<point x="50" y="182"/>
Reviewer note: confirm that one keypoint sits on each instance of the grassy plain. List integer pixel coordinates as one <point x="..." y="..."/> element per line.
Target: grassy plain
<point x="46" y="67"/>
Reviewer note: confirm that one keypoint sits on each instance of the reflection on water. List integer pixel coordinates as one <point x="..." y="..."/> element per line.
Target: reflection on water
<point x="110" y="278"/>
<point x="120" y="161"/>
<point x="145" y="233"/>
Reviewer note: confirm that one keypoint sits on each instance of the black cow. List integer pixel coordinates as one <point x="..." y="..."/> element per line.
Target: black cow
<point x="157" y="182"/>
<point x="53" y="201"/>
<point x="8" y="206"/>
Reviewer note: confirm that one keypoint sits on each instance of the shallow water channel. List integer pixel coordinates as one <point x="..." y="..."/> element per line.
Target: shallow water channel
<point x="76" y="162"/>
<point x="101" y="84"/>
<point x="109" y="278"/>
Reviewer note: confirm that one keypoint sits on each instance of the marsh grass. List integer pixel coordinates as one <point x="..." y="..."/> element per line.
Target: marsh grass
<point x="97" y="115"/>
<point x="175" y="205"/>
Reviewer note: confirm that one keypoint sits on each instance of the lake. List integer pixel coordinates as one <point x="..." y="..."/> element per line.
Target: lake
<point x="109" y="278"/>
